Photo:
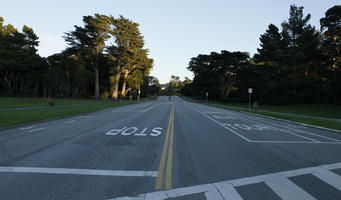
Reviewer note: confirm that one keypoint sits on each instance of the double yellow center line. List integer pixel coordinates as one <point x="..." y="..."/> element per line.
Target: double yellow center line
<point x="164" y="181"/>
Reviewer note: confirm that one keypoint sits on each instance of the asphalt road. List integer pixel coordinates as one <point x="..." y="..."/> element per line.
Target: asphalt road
<point x="169" y="150"/>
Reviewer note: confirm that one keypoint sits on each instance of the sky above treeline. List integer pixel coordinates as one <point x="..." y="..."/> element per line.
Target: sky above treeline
<point x="174" y="30"/>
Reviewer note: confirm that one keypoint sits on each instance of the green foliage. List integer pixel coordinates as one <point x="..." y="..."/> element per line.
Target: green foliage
<point x="87" y="65"/>
<point x="217" y="73"/>
<point x="297" y="64"/>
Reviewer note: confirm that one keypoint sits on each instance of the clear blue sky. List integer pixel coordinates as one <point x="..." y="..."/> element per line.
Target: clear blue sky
<point x="174" y="30"/>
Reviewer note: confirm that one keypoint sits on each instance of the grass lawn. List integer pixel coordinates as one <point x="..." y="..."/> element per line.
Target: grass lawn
<point x="306" y="110"/>
<point x="12" y="102"/>
<point x="10" y="117"/>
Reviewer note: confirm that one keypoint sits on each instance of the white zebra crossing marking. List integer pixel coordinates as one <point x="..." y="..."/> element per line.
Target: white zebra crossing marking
<point x="329" y="177"/>
<point x="286" y="189"/>
<point x="278" y="182"/>
<point x="228" y="191"/>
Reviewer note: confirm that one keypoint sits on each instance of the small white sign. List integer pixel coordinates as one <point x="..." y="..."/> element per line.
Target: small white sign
<point x="206" y="94"/>
<point x="250" y="90"/>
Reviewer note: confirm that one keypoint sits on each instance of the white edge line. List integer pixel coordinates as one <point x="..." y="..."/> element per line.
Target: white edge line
<point x="35" y="130"/>
<point x="72" y="171"/>
<point x="150" y="107"/>
<point x="265" y="141"/>
<point x="297" y="135"/>
<point x="25" y="128"/>
<point x="302" y="124"/>
<point x="288" y="127"/>
<point x="222" y="125"/>
<point x="293" y="142"/>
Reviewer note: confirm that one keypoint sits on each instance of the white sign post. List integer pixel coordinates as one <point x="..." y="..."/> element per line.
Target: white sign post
<point x="206" y="97"/>
<point x="250" y="92"/>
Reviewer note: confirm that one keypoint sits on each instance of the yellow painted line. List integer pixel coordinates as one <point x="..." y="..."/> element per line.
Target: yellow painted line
<point x="170" y="157"/>
<point x="159" y="178"/>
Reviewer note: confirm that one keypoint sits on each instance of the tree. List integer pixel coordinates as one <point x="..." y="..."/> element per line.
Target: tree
<point x="331" y="47"/>
<point x="271" y="46"/>
<point x="90" y="40"/>
<point x="217" y="73"/>
<point x="127" y="54"/>
<point x="174" y="86"/>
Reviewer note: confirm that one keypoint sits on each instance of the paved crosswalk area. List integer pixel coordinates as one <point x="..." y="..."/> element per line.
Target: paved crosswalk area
<point x="281" y="185"/>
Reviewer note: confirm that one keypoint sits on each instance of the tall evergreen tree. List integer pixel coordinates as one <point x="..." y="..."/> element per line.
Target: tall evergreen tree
<point x="91" y="41"/>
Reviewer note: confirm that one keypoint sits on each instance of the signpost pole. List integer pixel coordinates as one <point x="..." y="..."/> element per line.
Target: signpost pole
<point x="206" y="97"/>
<point x="250" y="92"/>
<point x="249" y="102"/>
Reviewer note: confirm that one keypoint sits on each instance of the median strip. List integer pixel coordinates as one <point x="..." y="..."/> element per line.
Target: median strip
<point x="168" y="146"/>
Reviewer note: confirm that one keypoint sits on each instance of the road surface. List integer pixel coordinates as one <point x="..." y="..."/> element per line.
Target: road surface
<point x="169" y="150"/>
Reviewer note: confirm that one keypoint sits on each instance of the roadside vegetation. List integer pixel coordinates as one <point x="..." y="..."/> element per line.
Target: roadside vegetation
<point x="105" y="58"/>
<point x="295" y="74"/>
<point x="296" y="63"/>
<point x="63" y="107"/>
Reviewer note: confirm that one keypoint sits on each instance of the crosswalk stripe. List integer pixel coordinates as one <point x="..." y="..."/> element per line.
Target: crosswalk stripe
<point x="278" y="183"/>
<point x="329" y="177"/>
<point x="213" y="195"/>
<point x="228" y="191"/>
<point x="286" y="189"/>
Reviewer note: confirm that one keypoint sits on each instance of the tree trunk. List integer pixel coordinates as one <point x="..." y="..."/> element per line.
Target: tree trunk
<point x="115" y="85"/>
<point x="36" y="87"/>
<point x="96" y="84"/>
<point x="125" y="75"/>
<point x="123" y="91"/>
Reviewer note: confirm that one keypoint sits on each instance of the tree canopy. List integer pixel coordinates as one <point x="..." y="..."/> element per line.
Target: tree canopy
<point x="103" y="56"/>
<point x="294" y="64"/>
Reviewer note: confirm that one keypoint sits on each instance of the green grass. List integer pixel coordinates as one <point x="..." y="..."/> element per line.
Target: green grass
<point x="12" y="102"/>
<point x="317" y="110"/>
<point x="285" y="111"/>
<point x="306" y="120"/>
<point x="11" y="117"/>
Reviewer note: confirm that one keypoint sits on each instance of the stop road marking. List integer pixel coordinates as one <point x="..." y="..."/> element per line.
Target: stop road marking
<point x="126" y="131"/>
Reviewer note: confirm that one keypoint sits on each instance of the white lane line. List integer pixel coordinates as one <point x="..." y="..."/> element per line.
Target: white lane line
<point x="67" y="122"/>
<point x="329" y="177"/>
<point x="282" y="126"/>
<point x="297" y="135"/>
<point x="289" y="127"/>
<point x="83" y="116"/>
<point x="222" y="125"/>
<point x="287" y="190"/>
<point x="131" y="108"/>
<point x="25" y="128"/>
<point x="150" y="108"/>
<point x="332" y="166"/>
<point x="72" y="171"/>
<point x="293" y="142"/>
<point x="34" y="130"/>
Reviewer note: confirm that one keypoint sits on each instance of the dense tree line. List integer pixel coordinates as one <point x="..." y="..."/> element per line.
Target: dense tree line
<point x="105" y="58"/>
<point x="297" y="64"/>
